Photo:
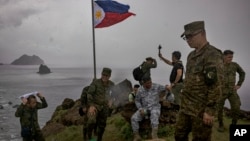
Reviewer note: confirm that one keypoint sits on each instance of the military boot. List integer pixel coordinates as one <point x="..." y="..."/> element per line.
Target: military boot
<point x="137" y="137"/>
<point x="154" y="133"/>
<point x="221" y="127"/>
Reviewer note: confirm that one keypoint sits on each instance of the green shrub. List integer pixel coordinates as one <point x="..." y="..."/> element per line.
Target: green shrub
<point x="72" y="133"/>
<point x="166" y="131"/>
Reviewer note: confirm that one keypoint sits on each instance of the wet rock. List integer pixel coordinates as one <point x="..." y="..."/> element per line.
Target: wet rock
<point x="67" y="103"/>
<point x="120" y="92"/>
<point x="43" y="69"/>
<point x="72" y="116"/>
<point x="52" y="128"/>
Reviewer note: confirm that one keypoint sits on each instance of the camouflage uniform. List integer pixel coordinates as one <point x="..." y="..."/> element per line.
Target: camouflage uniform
<point x="29" y="119"/>
<point x="99" y="96"/>
<point x="146" y="67"/>
<point x="229" y="92"/>
<point x="199" y="95"/>
<point x="148" y="100"/>
<point x="202" y="86"/>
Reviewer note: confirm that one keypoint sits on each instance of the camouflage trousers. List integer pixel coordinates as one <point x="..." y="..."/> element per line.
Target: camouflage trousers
<point x="235" y="104"/>
<point x="176" y="90"/>
<point x="186" y="124"/>
<point x="137" y="117"/>
<point x="98" y="121"/>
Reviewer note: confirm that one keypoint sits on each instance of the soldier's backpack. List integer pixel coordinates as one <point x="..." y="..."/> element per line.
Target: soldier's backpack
<point x="138" y="73"/>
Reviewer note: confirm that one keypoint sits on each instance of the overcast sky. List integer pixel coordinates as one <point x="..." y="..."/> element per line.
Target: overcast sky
<point x="59" y="31"/>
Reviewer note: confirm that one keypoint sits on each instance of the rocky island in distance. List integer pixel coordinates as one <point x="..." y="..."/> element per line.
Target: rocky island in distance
<point x="28" y="60"/>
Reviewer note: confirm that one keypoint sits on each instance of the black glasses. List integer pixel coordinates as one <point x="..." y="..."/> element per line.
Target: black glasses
<point x="105" y="75"/>
<point x="190" y="36"/>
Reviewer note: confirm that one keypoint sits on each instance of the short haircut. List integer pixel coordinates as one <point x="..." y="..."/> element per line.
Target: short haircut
<point x="226" y="52"/>
<point x="177" y="55"/>
<point x="136" y="86"/>
<point x="146" y="79"/>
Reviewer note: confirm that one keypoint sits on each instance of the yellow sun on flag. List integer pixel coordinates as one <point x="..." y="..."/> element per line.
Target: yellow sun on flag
<point x="98" y="14"/>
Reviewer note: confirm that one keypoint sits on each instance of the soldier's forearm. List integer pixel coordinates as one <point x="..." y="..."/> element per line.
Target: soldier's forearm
<point x="44" y="102"/>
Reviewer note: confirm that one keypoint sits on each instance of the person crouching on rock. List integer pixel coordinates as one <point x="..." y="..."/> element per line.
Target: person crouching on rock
<point x="27" y="111"/>
<point x="147" y="103"/>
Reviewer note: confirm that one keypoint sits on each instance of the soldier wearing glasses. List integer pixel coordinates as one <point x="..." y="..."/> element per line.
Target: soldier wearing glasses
<point x="99" y="95"/>
<point x="202" y="86"/>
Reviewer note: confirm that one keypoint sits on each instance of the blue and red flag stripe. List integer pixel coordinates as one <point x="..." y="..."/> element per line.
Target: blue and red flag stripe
<point x="108" y="13"/>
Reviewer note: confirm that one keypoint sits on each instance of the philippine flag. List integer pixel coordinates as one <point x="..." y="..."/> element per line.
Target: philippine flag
<point x="108" y="12"/>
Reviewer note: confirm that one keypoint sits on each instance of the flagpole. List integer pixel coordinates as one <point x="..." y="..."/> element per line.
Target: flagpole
<point x="93" y="33"/>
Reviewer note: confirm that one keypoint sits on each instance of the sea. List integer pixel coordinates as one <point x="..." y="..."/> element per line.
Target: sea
<point x="62" y="83"/>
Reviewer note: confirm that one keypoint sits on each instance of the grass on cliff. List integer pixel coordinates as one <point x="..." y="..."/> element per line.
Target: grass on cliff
<point x="118" y="129"/>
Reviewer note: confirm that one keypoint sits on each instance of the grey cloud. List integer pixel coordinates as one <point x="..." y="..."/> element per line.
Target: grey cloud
<point x="4" y="2"/>
<point x="12" y="15"/>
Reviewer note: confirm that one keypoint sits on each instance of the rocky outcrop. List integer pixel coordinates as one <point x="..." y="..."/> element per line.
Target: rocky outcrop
<point x="65" y="114"/>
<point x="120" y="93"/>
<point x="28" y="60"/>
<point x="43" y="69"/>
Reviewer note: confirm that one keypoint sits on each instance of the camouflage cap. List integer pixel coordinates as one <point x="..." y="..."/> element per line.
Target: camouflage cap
<point x="106" y="71"/>
<point x="192" y="27"/>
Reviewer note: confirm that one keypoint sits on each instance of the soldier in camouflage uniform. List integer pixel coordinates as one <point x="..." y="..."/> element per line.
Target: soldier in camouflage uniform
<point x="147" y="102"/>
<point x="230" y="89"/>
<point x="202" y="86"/>
<point x="147" y="65"/>
<point x="27" y="111"/>
<point x="99" y="95"/>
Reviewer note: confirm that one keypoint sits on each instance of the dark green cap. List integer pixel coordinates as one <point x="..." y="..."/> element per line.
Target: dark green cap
<point x="106" y="71"/>
<point x="192" y="27"/>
